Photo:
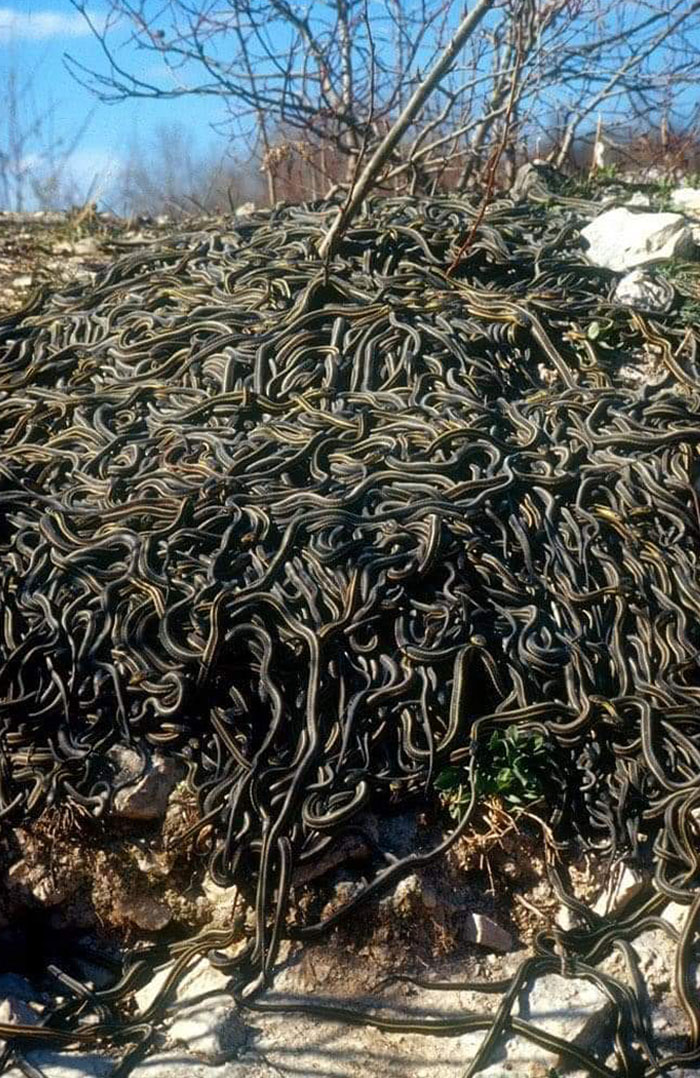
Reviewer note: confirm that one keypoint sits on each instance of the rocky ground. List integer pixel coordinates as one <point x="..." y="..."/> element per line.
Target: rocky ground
<point x="473" y="916"/>
<point x="53" y="250"/>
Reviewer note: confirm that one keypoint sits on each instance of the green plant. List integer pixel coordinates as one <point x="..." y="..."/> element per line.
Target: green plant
<point x="513" y="770"/>
<point x="607" y="173"/>
<point x="661" y="195"/>
<point x="685" y="278"/>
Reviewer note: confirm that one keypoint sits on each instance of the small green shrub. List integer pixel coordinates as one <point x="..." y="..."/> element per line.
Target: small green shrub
<point x="514" y="771"/>
<point x="661" y="195"/>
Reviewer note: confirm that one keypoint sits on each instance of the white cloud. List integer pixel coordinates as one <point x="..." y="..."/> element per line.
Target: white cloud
<point x="40" y="25"/>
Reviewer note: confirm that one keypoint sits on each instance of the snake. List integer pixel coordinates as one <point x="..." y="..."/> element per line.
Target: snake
<point x="317" y="530"/>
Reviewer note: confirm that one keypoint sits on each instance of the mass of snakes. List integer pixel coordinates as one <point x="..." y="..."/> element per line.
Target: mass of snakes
<point x="317" y="529"/>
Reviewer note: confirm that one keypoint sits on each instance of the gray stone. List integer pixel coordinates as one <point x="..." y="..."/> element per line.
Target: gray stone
<point x="622" y="885"/>
<point x="615" y="194"/>
<point x="638" y="289"/>
<point x="127" y="761"/>
<point x="210" y="1031"/>
<point x="67" y="1065"/>
<point x="224" y="902"/>
<point x="482" y="930"/>
<point x="17" y="1012"/>
<point x="86" y="246"/>
<point x="687" y="200"/>
<point x="639" y="199"/>
<point x="142" y="910"/>
<point x="567" y="919"/>
<point x="620" y="240"/>
<point x="573" y="1010"/>
<point x="201" y="981"/>
<point x="406" y="895"/>
<point x="147" y="797"/>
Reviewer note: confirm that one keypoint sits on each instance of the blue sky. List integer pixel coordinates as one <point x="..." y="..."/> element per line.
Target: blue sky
<point x="34" y="35"/>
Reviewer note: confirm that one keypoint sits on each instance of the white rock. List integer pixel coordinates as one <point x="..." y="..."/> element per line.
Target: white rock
<point x="620" y="239"/>
<point x="126" y="760"/>
<point x="245" y="209"/>
<point x="202" y="980"/>
<point x="657" y="956"/>
<point x="23" y="281"/>
<point x="147" y="798"/>
<point x="639" y="199"/>
<point x="638" y="289"/>
<point x="676" y="915"/>
<point x="573" y="1010"/>
<point x="211" y="1030"/>
<point x="567" y="919"/>
<point x="17" y="1012"/>
<point x="482" y="930"/>
<point x="67" y="1065"/>
<point x="87" y="246"/>
<point x="687" y="200"/>
<point x="622" y="886"/>
<point x="224" y="901"/>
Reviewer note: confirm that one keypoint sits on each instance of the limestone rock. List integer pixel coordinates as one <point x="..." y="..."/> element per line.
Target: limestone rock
<point x="343" y="892"/>
<point x="619" y="195"/>
<point x="639" y="200"/>
<point x="201" y="981"/>
<point x="620" y="240"/>
<point x="146" y="798"/>
<point x="412" y="895"/>
<point x="224" y="902"/>
<point x="127" y="762"/>
<point x="142" y="910"/>
<point x="17" y="1012"/>
<point x="482" y="930"/>
<point x="54" y="1064"/>
<point x="573" y="1010"/>
<point x="622" y="886"/>
<point x="245" y="209"/>
<point x="638" y="289"/>
<point x="210" y="1030"/>
<point x="687" y="200"/>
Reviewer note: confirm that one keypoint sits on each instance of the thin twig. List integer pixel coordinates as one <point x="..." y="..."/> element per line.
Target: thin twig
<point x="365" y="135"/>
<point x="390" y="141"/>
<point x="494" y="161"/>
